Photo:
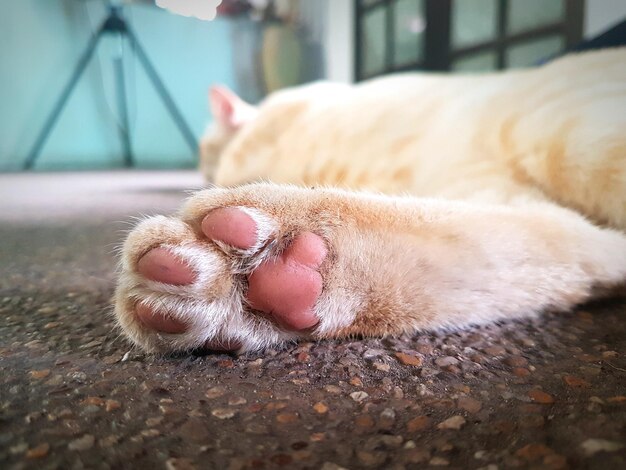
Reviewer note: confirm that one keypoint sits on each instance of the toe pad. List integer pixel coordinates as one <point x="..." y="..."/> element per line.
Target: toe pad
<point x="288" y="287"/>
<point x="160" y="265"/>
<point x="158" y="321"/>
<point x="231" y="226"/>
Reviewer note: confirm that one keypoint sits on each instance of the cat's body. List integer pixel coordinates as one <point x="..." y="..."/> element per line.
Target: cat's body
<point x="554" y="133"/>
<point x="509" y="158"/>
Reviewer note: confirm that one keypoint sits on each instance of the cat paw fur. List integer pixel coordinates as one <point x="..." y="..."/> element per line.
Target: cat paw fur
<point x="242" y="269"/>
<point x="226" y="275"/>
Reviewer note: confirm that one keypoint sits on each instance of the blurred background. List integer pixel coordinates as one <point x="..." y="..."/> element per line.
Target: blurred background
<point x="117" y="116"/>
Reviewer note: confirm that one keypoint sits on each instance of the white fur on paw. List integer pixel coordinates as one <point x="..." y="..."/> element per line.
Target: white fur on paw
<point x="211" y="313"/>
<point x="336" y="309"/>
<point x="211" y="321"/>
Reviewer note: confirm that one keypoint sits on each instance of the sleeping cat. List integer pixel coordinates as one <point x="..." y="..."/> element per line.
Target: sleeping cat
<point x="405" y="203"/>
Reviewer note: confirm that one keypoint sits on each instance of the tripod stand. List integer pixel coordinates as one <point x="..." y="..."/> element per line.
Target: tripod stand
<point x="113" y="24"/>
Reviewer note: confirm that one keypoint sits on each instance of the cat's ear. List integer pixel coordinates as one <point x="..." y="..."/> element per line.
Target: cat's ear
<point x="228" y="109"/>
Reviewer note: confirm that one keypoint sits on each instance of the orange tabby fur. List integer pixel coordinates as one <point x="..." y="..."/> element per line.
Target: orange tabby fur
<point x="511" y="161"/>
<point x="554" y="133"/>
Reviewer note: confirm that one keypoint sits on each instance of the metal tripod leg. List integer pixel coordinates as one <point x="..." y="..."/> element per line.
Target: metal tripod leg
<point x="114" y="23"/>
<point x="163" y="93"/>
<point x="120" y="89"/>
<point x="58" y="107"/>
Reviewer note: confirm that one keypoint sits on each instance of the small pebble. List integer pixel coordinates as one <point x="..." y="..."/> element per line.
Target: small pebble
<point x="446" y="361"/>
<point x="194" y="430"/>
<point x="287" y="418"/>
<point x="521" y="372"/>
<point x="494" y="351"/>
<point x="481" y="455"/>
<point x="425" y="349"/>
<point x="236" y="401"/>
<point x="429" y="372"/>
<point x="18" y="448"/>
<point x="516" y="361"/>
<point x="381" y="366"/>
<point x="455" y="422"/>
<point x="416" y="455"/>
<point x="39" y="374"/>
<point x="108" y="441"/>
<point x="371" y="459"/>
<point x="576" y="382"/>
<point x="38" y="452"/>
<point x="357" y="382"/>
<point x="439" y="462"/>
<point x="359" y="396"/>
<point x="370" y="353"/>
<point x="332" y="466"/>
<point x="539" y="396"/>
<point x="469" y="404"/>
<point x="593" y="446"/>
<point x="418" y="424"/>
<point x="215" y="392"/>
<point x="391" y="442"/>
<point x="179" y="464"/>
<point x="532" y="452"/>
<point x="408" y="359"/>
<point x="555" y="462"/>
<point x="82" y="443"/>
<point x="151" y="422"/>
<point x="256" y="428"/>
<point x="387" y="418"/>
<point x="364" y="421"/>
<point x="320" y="408"/>
<point x="223" y="413"/>
<point x="617" y="399"/>
<point x="92" y="401"/>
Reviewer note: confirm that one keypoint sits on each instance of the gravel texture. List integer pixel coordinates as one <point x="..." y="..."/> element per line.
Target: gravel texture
<point x="541" y="394"/>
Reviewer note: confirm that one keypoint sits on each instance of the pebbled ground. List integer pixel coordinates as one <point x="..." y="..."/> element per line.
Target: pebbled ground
<point x="550" y="393"/>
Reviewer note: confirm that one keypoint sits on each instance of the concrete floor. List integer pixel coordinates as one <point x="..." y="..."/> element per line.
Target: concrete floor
<point x="549" y="393"/>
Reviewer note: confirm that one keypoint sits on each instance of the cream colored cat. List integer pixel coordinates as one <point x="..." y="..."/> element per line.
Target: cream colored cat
<point x="487" y="197"/>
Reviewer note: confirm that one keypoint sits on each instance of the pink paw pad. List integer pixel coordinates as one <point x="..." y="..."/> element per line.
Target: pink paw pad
<point x="160" y="265"/>
<point x="285" y="289"/>
<point x="158" y="321"/>
<point x="162" y="323"/>
<point x="231" y="226"/>
<point x="288" y="287"/>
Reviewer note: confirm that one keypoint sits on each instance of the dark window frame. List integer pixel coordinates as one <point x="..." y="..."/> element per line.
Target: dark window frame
<point x="438" y="55"/>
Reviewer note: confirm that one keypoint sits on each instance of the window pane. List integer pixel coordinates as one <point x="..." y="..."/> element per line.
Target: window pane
<point x="479" y="62"/>
<point x="530" y="52"/>
<point x="410" y="24"/>
<point x="473" y="21"/>
<point x="530" y="14"/>
<point x="373" y="41"/>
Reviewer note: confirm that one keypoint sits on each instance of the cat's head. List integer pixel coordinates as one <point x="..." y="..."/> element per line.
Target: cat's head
<point x="230" y="115"/>
<point x="243" y="143"/>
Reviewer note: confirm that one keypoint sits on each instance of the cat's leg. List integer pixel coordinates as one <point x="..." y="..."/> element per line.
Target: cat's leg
<point x="263" y="264"/>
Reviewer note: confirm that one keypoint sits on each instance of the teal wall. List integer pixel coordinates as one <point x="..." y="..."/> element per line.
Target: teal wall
<point x="40" y="42"/>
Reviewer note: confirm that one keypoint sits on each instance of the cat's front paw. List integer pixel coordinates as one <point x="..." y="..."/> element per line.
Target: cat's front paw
<point x="226" y="275"/>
